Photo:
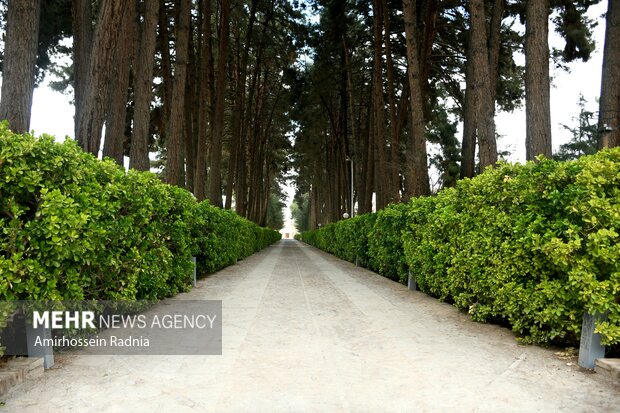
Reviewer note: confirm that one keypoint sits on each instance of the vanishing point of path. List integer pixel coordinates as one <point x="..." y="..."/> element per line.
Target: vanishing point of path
<point x="304" y="331"/>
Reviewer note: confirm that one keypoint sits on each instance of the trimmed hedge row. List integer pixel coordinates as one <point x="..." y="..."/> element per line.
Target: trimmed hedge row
<point x="530" y="245"/>
<point x="73" y="227"/>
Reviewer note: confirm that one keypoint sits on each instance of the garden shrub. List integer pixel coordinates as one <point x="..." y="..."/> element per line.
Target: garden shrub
<point x="73" y="227"/>
<point x="346" y="239"/>
<point x="429" y="225"/>
<point x="385" y="246"/>
<point x="534" y="246"/>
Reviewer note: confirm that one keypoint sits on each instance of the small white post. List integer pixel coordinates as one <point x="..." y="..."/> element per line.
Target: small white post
<point x="590" y="347"/>
<point x="411" y="283"/>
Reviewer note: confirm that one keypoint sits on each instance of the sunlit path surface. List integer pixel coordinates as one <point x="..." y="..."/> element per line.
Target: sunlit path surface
<point x="304" y="331"/>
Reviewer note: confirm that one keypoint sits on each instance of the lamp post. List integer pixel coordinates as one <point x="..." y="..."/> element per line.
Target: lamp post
<point x="350" y="159"/>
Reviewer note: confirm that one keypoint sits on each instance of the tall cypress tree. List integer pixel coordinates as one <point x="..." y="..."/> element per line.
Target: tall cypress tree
<point x="18" y="71"/>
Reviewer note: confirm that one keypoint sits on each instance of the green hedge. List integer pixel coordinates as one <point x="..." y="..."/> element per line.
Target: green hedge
<point x="73" y="227"/>
<point x="530" y="245"/>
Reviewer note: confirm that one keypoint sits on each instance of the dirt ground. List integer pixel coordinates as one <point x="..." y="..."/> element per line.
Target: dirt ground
<point x="304" y="331"/>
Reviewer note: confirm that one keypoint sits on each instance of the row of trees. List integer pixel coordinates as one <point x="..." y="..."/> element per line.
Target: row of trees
<point x="388" y="77"/>
<point x="225" y="96"/>
<point x="196" y="87"/>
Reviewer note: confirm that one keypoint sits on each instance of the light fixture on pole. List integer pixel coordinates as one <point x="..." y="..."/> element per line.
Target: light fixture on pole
<point x="605" y="131"/>
<point x="606" y="128"/>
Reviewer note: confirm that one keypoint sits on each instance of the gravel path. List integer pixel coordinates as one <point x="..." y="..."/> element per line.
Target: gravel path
<point x="304" y="331"/>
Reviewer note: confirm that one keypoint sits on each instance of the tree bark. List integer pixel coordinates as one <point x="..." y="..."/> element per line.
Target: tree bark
<point x="235" y="122"/>
<point x="609" y="104"/>
<point x="205" y="96"/>
<point x="495" y="44"/>
<point x="163" y="40"/>
<point x="417" y="169"/>
<point x="356" y="145"/>
<point x="19" y="63"/>
<point x="468" y="151"/>
<point x="379" y="108"/>
<point x="537" y="104"/>
<point x="257" y="141"/>
<point x="191" y="114"/>
<point x="394" y="191"/>
<point x="113" y="146"/>
<point x="426" y="31"/>
<point x="175" y="128"/>
<point x="368" y="165"/>
<point x="215" y="178"/>
<point x="248" y="132"/>
<point x="82" y="21"/>
<point x="483" y="101"/>
<point x="143" y="89"/>
<point x="237" y="115"/>
<point x="105" y="42"/>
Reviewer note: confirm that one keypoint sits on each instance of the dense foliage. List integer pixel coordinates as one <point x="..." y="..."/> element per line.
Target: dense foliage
<point x="530" y="245"/>
<point x="73" y="227"/>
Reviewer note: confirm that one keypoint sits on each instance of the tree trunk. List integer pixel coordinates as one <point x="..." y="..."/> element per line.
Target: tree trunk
<point x="483" y="95"/>
<point x="205" y="94"/>
<point x="82" y="20"/>
<point x="468" y="151"/>
<point x="237" y="114"/>
<point x="313" y="220"/>
<point x="215" y="178"/>
<point x="426" y="31"/>
<point x="19" y="63"/>
<point x="494" y="44"/>
<point x="100" y="65"/>
<point x="394" y="191"/>
<point x="609" y="105"/>
<point x="143" y="89"/>
<point x="175" y="128"/>
<point x="234" y="143"/>
<point x="163" y="41"/>
<point x="368" y="165"/>
<point x="113" y="146"/>
<point x="244" y="171"/>
<point x="190" y="123"/>
<point x="417" y="169"/>
<point x="537" y="106"/>
<point x="355" y="147"/>
<point x="257" y="144"/>
<point x="379" y="108"/>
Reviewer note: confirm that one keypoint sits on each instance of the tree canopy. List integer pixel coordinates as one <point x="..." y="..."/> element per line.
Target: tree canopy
<point x="355" y="101"/>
